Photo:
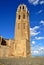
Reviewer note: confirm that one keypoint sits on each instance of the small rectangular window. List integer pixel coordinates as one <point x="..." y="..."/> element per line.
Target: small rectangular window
<point x="24" y="25"/>
<point x="18" y="25"/>
<point x="24" y="16"/>
<point x="19" y="17"/>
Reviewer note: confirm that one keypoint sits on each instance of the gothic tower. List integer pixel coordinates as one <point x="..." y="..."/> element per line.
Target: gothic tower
<point x="22" y="32"/>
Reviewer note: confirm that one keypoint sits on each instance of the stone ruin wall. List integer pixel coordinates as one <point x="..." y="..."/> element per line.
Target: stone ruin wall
<point x="8" y="49"/>
<point x="4" y="51"/>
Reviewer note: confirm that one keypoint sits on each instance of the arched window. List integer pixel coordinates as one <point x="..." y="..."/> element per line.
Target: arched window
<point x="23" y="16"/>
<point x="23" y="7"/>
<point x="19" y="17"/>
<point x="20" y="7"/>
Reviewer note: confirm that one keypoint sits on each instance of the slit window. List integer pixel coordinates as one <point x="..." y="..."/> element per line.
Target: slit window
<point x="24" y="16"/>
<point x="18" y="25"/>
<point x="19" y="17"/>
<point x="23" y="7"/>
<point x="24" y="25"/>
<point x="20" y="7"/>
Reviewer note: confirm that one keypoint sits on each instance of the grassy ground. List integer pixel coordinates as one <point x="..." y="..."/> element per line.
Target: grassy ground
<point x="22" y="61"/>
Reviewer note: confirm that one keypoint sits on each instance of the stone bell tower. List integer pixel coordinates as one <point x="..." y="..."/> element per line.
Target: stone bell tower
<point x="22" y="32"/>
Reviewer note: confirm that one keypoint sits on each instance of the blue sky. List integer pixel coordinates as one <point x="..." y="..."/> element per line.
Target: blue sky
<point x="8" y="10"/>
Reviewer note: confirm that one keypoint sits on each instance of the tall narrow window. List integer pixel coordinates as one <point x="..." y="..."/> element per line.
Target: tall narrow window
<point x="19" y="17"/>
<point x="18" y="25"/>
<point x="23" y="7"/>
<point x="15" y="46"/>
<point x="23" y="16"/>
<point x="20" y="7"/>
<point x="24" y="25"/>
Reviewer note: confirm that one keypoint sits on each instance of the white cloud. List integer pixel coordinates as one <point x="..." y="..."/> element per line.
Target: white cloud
<point x="41" y="48"/>
<point x="38" y="50"/>
<point x="40" y="11"/>
<point x="34" y="2"/>
<point x="33" y="42"/>
<point x="33" y="31"/>
<point x="39" y="38"/>
<point x="42" y="22"/>
<point x="42" y="2"/>
<point x="36" y="27"/>
<point x="35" y="52"/>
